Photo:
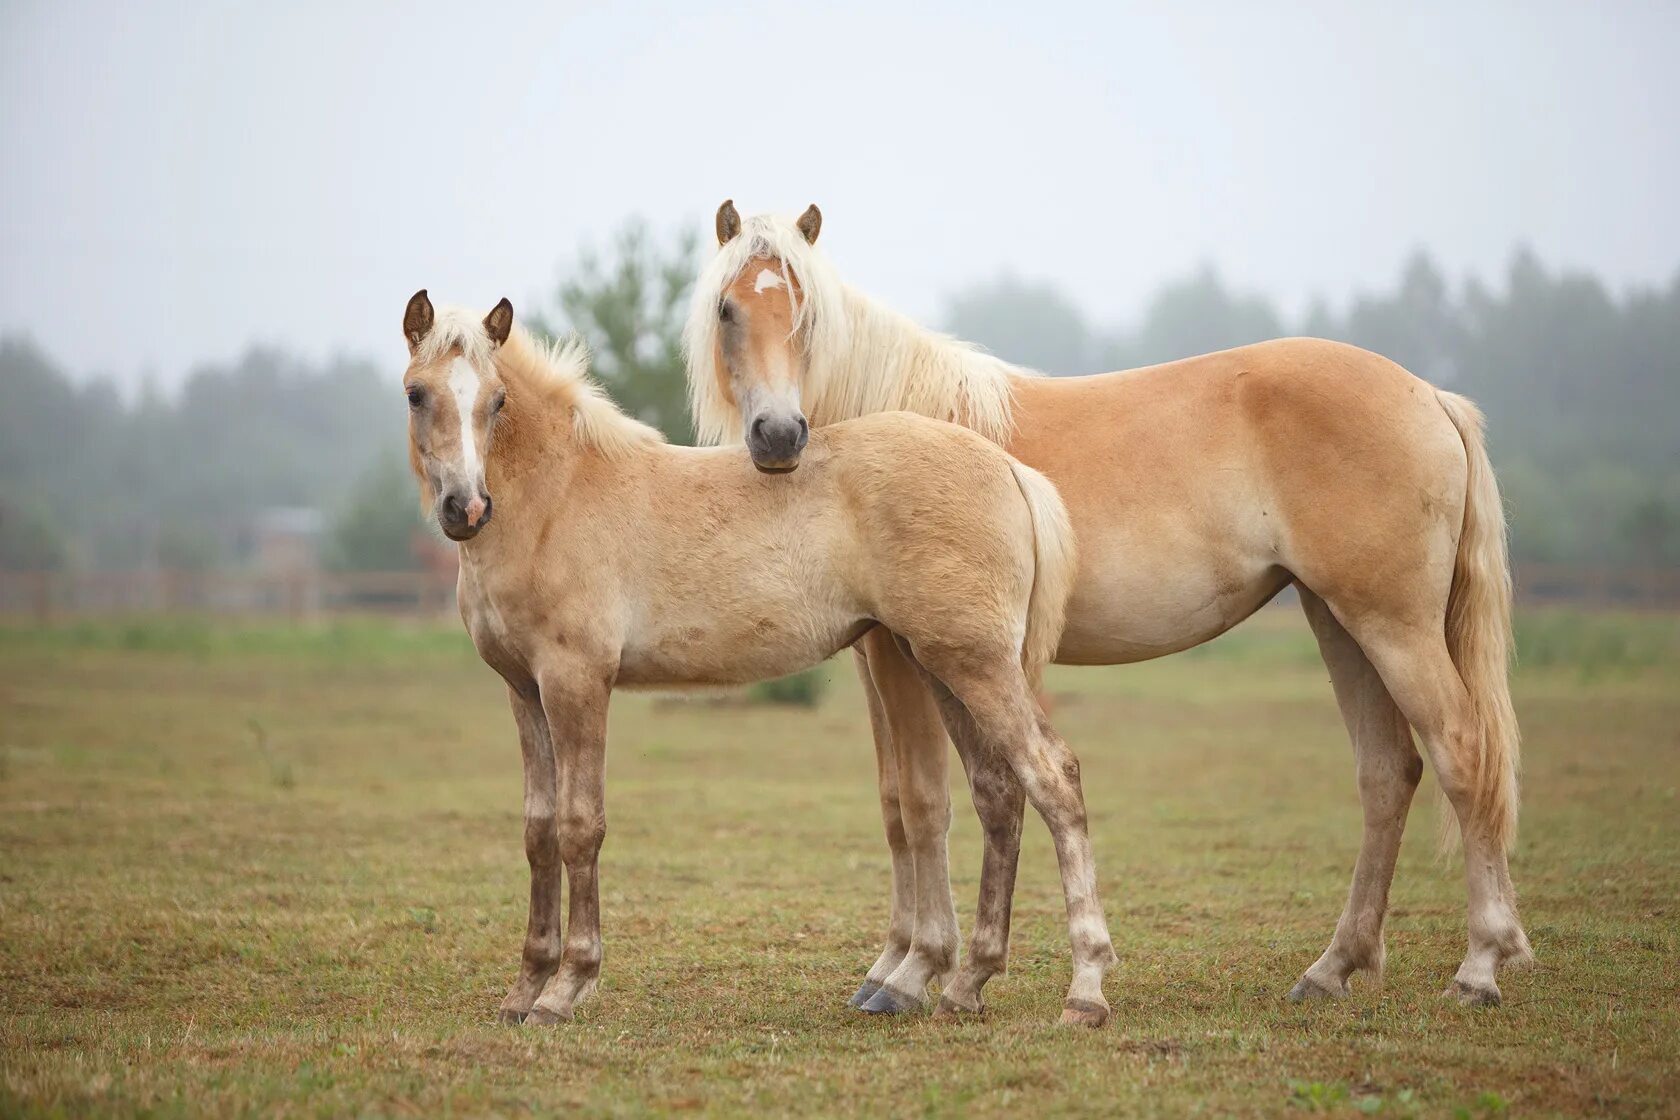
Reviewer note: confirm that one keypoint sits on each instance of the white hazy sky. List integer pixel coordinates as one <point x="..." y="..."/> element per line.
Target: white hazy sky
<point x="179" y="180"/>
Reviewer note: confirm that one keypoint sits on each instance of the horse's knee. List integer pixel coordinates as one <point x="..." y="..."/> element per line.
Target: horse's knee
<point x="542" y="839"/>
<point x="581" y="837"/>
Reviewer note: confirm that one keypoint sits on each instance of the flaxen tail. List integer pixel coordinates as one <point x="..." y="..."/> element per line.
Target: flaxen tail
<point x="1053" y="570"/>
<point x="1479" y="631"/>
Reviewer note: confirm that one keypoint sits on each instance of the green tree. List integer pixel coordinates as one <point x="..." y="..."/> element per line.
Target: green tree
<point x="631" y="306"/>
<point x="375" y="529"/>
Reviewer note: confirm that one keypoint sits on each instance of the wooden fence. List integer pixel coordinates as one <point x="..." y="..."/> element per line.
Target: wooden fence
<point x="45" y="596"/>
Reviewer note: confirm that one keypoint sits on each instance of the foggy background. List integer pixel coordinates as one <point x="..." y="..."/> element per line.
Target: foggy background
<point x="211" y="216"/>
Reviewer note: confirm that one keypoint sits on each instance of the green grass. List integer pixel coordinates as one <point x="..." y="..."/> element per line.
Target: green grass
<point x="279" y="871"/>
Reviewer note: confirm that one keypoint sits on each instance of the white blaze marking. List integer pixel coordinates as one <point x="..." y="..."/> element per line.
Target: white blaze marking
<point x="463" y="382"/>
<point x="767" y="278"/>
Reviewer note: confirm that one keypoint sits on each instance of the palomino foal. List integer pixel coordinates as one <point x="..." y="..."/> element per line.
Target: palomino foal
<point x="617" y="560"/>
<point x="1199" y="489"/>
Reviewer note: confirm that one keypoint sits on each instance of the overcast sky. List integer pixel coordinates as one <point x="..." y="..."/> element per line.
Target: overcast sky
<point x="179" y="180"/>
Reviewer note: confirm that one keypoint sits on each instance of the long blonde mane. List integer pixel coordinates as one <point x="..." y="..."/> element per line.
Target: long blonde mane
<point x="861" y="357"/>
<point x="557" y="370"/>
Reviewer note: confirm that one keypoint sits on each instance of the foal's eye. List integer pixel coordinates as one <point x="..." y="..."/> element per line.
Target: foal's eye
<point x="497" y="403"/>
<point x="415" y="396"/>
<point x="725" y="314"/>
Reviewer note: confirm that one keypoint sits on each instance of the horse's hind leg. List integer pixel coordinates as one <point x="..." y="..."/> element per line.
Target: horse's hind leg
<point x="999" y="801"/>
<point x="994" y="691"/>
<point x="1423" y="680"/>
<point x="901" y="923"/>
<point x="541" y="956"/>
<point x="924" y="802"/>
<point x="1388" y="767"/>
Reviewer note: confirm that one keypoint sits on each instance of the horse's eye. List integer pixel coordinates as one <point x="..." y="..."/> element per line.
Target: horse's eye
<point x="725" y="314"/>
<point x="415" y="396"/>
<point x="496" y="405"/>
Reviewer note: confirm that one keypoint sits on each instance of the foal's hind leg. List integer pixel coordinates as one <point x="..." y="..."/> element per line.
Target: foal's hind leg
<point x="994" y="691"/>
<point x="541" y="956"/>
<point x="1423" y="680"/>
<point x="1388" y="768"/>
<point x="901" y="923"/>
<point x="999" y="802"/>
<point x="924" y="801"/>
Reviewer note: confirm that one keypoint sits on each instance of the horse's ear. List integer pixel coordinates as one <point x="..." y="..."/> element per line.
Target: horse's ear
<point x="499" y="322"/>
<point x="810" y="223"/>
<point x="728" y="222"/>
<point x="417" y="320"/>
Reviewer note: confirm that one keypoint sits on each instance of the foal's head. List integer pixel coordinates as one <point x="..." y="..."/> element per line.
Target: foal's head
<point x="454" y="394"/>
<point x="751" y="324"/>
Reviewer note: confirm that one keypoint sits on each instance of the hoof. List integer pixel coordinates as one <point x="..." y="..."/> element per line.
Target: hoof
<point x="1307" y="988"/>
<point x="950" y="1009"/>
<point x="888" y="1002"/>
<point x="546" y="1017"/>
<point x="1083" y="1013"/>
<point x="861" y="996"/>
<point x="509" y="1017"/>
<point x="1471" y="996"/>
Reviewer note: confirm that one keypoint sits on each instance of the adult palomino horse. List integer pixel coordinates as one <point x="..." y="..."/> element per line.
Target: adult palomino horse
<point x="1198" y="489"/>
<point x="616" y="560"/>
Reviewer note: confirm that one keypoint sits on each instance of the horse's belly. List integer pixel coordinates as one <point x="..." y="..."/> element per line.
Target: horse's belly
<point x="1141" y="595"/>
<point x="733" y="651"/>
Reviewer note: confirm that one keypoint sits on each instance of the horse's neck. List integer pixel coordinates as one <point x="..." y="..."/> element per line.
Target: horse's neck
<point x="533" y="462"/>
<point x="893" y="363"/>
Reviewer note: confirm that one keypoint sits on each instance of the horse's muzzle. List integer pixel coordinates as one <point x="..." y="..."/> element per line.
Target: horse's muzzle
<point x="775" y="442"/>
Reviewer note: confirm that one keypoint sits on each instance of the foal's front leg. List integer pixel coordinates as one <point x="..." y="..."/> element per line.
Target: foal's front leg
<point x="542" y="848"/>
<point x="575" y="704"/>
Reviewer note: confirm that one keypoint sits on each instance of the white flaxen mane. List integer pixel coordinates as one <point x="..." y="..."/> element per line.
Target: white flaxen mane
<point x="860" y="357"/>
<point x="560" y="368"/>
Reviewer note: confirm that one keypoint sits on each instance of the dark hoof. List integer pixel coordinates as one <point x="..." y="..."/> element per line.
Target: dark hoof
<point x="1083" y="1013"/>
<point x="949" y="1009"/>
<point x="543" y="1017"/>
<point x="861" y="996"/>
<point x="1308" y="989"/>
<point x="1471" y="996"/>
<point x="508" y="1017"/>
<point x="888" y="1002"/>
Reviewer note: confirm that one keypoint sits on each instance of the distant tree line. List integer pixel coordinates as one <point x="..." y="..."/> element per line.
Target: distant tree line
<point x="1581" y="387"/>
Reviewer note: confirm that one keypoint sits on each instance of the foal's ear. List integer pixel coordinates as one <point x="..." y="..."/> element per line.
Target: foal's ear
<point x="810" y="223"/>
<point x="728" y="222"/>
<point x="417" y="320"/>
<point x="499" y="322"/>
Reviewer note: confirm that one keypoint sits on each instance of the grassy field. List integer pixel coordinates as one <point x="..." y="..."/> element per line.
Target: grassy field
<point x="277" y="871"/>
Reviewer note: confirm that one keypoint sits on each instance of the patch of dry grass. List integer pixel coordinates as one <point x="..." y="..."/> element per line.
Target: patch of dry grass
<point x="281" y="873"/>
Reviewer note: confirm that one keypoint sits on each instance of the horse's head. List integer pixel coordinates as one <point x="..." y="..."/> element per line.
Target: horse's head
<point x="758" y="339"/>
<point x="454" y="394"/>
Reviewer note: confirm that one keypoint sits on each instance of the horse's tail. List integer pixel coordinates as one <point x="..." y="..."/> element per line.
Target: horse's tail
<point x="1053" y="570"/>
<point x="1479" y="633"/>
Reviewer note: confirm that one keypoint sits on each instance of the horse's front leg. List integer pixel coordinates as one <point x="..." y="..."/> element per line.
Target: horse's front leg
<point x="575" y="704"/>
<point x="902" y="920"/>
<point x="924" y="800"/>
<point x="542" y="848"/>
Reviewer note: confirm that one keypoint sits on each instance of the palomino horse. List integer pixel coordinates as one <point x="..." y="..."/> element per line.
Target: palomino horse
<point x="1198" y="490"/>
<point x="617" y="560"/>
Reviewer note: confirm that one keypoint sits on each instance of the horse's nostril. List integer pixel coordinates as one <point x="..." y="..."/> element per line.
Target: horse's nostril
<point x="452" y="507"/>
<point x="758" y="428"/>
